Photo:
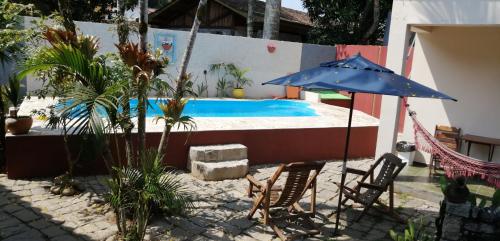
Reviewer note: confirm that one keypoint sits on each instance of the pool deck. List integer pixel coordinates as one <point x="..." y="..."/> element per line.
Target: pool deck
<point x="328" y="116"/>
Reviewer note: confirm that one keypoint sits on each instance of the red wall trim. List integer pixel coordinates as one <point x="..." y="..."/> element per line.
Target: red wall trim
<point x="43" y="156"/>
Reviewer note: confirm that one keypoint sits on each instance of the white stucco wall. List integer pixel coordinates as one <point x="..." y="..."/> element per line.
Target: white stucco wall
<point x="463" y="62"/>
<point x="459" y="57"/>
<point x="251" y="53"/>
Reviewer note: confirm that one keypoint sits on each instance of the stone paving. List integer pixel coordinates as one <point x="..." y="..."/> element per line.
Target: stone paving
<point x="29" y="212"/>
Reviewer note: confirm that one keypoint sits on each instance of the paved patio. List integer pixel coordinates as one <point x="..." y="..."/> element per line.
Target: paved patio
<point x="29" y="212"/>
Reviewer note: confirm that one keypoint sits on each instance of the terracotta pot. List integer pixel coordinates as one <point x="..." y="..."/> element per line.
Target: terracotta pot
<point x="18" y="125"/>
<point x="238" y="93"/>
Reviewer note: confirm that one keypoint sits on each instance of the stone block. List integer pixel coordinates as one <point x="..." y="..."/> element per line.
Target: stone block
<point x="218" y="152"/>
<point x="216" y="171"/>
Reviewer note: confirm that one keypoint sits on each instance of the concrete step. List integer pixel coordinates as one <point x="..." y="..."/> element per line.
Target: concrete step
<point x="221" y="170"/>
<point x="216" y="153"/>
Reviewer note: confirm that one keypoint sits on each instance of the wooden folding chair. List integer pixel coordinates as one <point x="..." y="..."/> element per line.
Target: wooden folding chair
<point x="449" y="136"/>
<point x="369" y="189"/>
<point x="301" y="177"/>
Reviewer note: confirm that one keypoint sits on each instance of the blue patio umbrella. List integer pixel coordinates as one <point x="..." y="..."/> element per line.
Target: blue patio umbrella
<point x="356" y="74"/>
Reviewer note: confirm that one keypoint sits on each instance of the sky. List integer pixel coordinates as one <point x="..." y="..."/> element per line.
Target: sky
<point x="294" y="4"/>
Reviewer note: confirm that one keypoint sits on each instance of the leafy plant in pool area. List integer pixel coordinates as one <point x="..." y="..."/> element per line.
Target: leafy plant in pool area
<point x="12" y="91"/>
<point x="240" y="80"/>
<point x="85" y="90"/>
<point x="222" y="86"/>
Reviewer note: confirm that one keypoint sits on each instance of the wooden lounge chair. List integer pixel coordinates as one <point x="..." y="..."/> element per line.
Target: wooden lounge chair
<point x="449" y="136"/>
<point x="369" y="189"/>
<point x="271" y="197"/>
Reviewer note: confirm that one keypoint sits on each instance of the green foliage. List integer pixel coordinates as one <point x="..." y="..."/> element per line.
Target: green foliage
<point x="135" y="192"/>
<point x="82" y="10"/>
<point x="201" y="89"/>
<point x="222" y="86"/>
<point x="12" y="90"/>
<point x="345" y="22"/>
<point x="172" y="114"/>
<point x="90" y="93"/>
<point x="412" y="233"/>
<point x="443" y="183"/>
<point x="240" y="80"/>
<point x="12" y="36"/>
<point x="224" y="71"/>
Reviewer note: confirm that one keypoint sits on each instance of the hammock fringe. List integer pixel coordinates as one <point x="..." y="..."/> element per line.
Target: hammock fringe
<point x="454" y="164"/>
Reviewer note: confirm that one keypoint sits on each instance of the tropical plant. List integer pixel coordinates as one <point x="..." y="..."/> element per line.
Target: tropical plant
<point x="412" y="233"/>
<point x="172" y="116"/>
<point x="240" y="80"/>
<point x="84" y="101"/>
<point x="183" y="83"/>
<point x="136" y="191"/>
<point x="145" y="67"/>
<point x="12" y="90"/>
<point x="272" y="20"/>
<point x="201" y="89"/>
<point x="222" y="86"/>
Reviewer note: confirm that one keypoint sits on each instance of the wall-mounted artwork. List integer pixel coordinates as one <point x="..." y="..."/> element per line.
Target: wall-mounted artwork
<point x="166" y="43"/>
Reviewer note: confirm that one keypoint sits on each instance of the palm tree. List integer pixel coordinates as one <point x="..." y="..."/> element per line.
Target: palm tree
<point x="65" y="9"/>
<point x="375" y="20"/>
<point x="122" y="26"/>
<point x="89" y="94"/>
<point x="183" y="77"/>
<point x="123" y="32"/>
<point x="143" y="24"/>
<point x="142" y="100"/>
<point x="250" y="19"/>
<point x="272" y="19"/>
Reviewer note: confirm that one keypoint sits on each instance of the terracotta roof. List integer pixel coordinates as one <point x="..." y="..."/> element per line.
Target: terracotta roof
<point x="241" y="7"/>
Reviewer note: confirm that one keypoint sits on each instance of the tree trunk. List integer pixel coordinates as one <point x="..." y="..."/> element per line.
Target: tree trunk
<point x="141" y="117"/>
<point x="374" y="25"/>
<point x="121" y="23"/>
<point x="2" y="134"/>
<point x="67" y="14"/>
<point x="251" y="19"/>
<point x="123" y="32"/>
<point x="164" y="140"/>
<point x="143" y="25"/>
<point x="182" y="78"/>
<point x="142" y="96"/>
<point x="272" y="20"/>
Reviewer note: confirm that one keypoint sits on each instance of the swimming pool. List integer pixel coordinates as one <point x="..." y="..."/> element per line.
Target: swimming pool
<point x="238" y="108"/>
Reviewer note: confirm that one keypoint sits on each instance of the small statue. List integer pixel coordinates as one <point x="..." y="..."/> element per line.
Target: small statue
<point x="457" y="191"/>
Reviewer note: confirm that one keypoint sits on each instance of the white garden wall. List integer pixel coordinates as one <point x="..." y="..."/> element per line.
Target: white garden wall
<point x="251" y="53"/>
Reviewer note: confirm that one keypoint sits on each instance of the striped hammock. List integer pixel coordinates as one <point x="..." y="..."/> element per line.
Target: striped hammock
<point x="454" y="163"/>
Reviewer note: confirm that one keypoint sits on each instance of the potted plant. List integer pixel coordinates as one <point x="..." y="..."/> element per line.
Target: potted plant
<point x="240" y="81"/>
<point x="15" y="124"/>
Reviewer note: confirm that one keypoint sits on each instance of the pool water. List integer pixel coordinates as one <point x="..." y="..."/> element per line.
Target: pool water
<point x="237" y="108"/>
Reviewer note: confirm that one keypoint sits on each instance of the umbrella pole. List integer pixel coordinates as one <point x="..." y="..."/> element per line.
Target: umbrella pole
<point x="344" y="163"/>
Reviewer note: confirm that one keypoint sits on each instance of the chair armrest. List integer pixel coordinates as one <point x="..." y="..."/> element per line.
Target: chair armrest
<point x="254" y="181"/>
<point x="356" y="171"/>
<point x="370" y="186"/>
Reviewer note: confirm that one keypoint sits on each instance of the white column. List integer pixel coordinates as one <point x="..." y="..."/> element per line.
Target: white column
<point x="391" y="105"/>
